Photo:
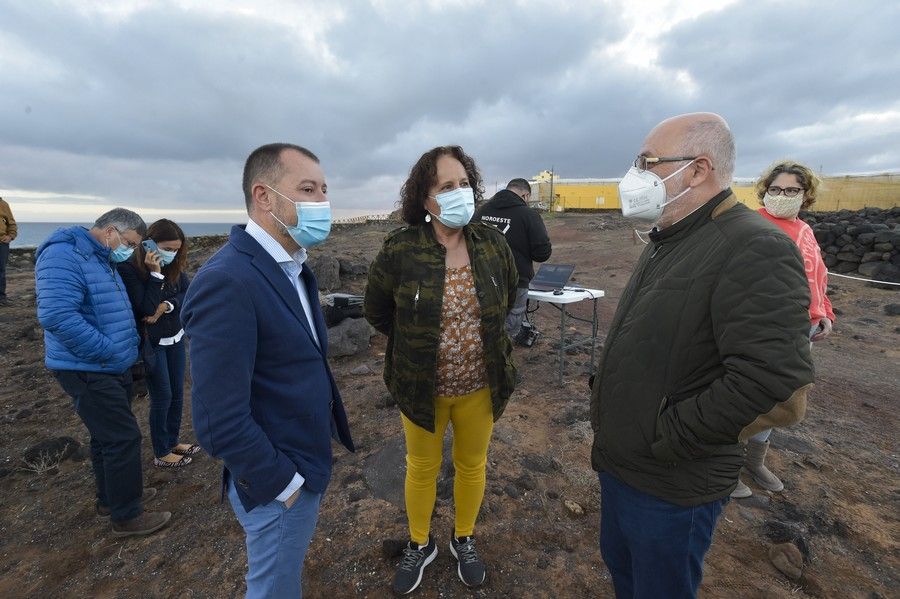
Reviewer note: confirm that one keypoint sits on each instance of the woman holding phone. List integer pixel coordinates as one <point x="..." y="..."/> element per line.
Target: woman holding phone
<point x="156" y="284"/>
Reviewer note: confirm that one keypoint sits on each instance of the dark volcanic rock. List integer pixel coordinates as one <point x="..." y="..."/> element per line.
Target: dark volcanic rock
<point x="353" y="267"/>
<point x="328" y="271"/>
<point x="349" y="337"/>
<point x="58" y="449"/>
<point x="539" y="463"/>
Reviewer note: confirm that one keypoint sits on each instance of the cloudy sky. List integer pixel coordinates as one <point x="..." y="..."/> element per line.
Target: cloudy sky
<point x="155" y="105"/>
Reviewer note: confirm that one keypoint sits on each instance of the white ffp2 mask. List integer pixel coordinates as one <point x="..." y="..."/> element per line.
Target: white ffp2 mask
<point x="643" y="194"/>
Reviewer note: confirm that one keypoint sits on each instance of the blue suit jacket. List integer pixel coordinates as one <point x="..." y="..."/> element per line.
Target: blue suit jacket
<point x="264" y="399"/>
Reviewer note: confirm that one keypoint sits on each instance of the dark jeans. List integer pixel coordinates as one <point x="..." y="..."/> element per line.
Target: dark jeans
<point x="4" y="256"/>
<point x="102" y="402"/>
<point x="653" y="548"/>
<point x="165" y="383"/>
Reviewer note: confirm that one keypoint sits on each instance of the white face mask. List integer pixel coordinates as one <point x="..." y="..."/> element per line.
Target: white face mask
<point x="781" y="206"/>
<point x="643" y="194"/>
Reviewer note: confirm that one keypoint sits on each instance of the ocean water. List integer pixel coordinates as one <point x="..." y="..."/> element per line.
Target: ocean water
<point x="33" y="234"/>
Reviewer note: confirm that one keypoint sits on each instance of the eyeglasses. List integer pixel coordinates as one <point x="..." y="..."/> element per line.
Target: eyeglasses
<point x="789" y="192"/>
<point x="644" y="162"/>
<point x="128" y="243"/>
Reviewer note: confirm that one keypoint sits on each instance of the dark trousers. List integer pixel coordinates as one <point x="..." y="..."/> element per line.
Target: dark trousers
<point x="517" y="312"/>
<point x="653" y="548"/>
<point x="165" y="383"/>
<point x="102" y="401"/>
<point x="4" y="256"/>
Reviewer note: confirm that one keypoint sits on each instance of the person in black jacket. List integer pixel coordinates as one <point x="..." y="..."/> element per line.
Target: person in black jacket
<point x="156" y="285"/>
<point x="526" y="235"/>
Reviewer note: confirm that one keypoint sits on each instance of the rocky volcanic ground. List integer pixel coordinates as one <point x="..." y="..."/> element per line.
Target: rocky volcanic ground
<point x="539" y="525"/>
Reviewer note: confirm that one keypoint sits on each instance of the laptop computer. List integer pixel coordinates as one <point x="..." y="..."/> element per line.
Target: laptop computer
<point x="551" y="276"/>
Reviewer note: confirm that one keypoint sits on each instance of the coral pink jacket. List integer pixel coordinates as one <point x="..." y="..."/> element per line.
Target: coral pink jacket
<point x="816" y="273"/>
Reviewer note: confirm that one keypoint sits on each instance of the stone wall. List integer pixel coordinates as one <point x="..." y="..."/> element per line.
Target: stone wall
<point x="864" y="242"/>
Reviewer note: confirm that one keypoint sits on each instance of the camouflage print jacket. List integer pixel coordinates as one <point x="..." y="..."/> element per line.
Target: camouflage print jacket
<point x="404" y="296"/>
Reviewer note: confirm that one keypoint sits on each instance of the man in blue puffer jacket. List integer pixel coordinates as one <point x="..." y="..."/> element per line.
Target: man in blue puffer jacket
<point x="91" y="342"/>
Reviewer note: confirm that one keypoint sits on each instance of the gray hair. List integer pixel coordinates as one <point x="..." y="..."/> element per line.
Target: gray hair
<point x="713" y="138"/>
<point x="123" y="220"/>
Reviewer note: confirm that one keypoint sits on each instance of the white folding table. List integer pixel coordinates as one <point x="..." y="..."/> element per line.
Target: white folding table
<point x="571" y="295"/>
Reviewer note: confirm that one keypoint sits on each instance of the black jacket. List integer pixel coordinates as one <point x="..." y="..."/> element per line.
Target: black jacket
<point x="524" y="230"/>
<point x="146" y="294"/>
<point x="711" y="333"/>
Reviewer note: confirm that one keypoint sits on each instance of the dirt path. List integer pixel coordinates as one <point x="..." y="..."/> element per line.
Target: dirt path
<point x="840" y="469"/>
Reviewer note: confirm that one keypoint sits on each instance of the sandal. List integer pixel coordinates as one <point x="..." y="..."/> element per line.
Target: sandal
<point x="184" y="461"/>
<point x="189" y="451"/>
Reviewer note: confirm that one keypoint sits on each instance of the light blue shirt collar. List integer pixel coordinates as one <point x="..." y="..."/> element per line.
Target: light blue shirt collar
<point x="274" y="249"/>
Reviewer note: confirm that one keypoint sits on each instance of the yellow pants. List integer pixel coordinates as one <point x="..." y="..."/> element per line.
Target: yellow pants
<point x="473" y="422"/>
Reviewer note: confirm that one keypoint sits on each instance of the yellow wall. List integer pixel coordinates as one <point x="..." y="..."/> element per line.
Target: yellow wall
<point x="837" y="193"/>
<point x="840" y="193"/>
<point x="595" y="196"/>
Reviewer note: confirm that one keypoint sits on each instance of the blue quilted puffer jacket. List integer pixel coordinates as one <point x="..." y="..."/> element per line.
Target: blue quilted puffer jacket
<point x="83" y="306"/>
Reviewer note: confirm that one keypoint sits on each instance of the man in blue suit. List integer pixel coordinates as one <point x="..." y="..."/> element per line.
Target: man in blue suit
<point x="91" y="343"/>
<point x="264" y="399"/>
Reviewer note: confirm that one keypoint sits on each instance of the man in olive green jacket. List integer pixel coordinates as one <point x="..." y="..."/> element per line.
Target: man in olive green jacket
<point x="708" y="346"/>
<point x="8" y="230"/>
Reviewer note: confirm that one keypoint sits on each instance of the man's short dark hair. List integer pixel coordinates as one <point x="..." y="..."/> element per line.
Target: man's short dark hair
<point x="265" y="163"/>
<point x="520" y="185"/>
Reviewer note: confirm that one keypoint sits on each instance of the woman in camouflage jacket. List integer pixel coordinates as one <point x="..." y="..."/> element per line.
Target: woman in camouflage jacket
<point x="440" y="289"/>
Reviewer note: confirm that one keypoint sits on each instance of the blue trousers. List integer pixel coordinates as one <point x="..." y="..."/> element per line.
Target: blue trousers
<point x="165" y="383"/>
<point x="653" y="548"/>
<point x="277" y="540"/>
<point x="104" y="405"/>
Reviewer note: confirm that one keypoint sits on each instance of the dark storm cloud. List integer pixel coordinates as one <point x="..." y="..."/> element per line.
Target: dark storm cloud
<point x="770" y="68"/>
<point x="161" y="106"/>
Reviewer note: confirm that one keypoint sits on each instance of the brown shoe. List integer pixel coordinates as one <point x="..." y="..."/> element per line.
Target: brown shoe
<point x="149" y="493"/>
<point x="145" y="524"/>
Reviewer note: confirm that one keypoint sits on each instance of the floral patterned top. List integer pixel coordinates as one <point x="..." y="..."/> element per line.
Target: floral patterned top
<point x="460" y="360"/>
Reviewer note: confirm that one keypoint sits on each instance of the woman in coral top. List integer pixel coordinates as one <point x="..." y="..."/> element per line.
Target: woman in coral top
<point x="783" y="190"/>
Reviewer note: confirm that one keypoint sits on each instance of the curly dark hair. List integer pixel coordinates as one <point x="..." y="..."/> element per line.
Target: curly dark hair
<point x="423" y="175"/>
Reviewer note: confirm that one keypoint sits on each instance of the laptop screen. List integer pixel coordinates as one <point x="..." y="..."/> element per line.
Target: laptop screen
<point x="552" y="276"/>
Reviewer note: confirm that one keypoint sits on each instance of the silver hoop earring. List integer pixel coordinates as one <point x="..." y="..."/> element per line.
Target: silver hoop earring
<point x="427" y="218"/>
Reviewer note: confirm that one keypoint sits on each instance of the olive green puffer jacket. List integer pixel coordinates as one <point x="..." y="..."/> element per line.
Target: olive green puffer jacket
<point x="711" y="333"/>
<point x="403" y="300"/>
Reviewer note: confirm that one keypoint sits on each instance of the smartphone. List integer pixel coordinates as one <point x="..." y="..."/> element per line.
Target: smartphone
<point x="150" y="245"/>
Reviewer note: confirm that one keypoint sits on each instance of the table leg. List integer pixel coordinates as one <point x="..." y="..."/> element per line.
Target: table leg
<point x="562" y="337"/>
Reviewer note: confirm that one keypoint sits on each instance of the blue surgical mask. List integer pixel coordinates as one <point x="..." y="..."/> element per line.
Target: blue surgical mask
<point x="313" y="222"/>
<point x="121" y="253"/>
<point x="166" y="257"/>
<point x="457" y="207"/>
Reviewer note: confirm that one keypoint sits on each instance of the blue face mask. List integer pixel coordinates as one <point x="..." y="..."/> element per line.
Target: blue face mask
<point x="121" y="253"/>
<point x="166" y="257"/>
<point x="313" y="222"/>
<point x="457" y="207"/>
